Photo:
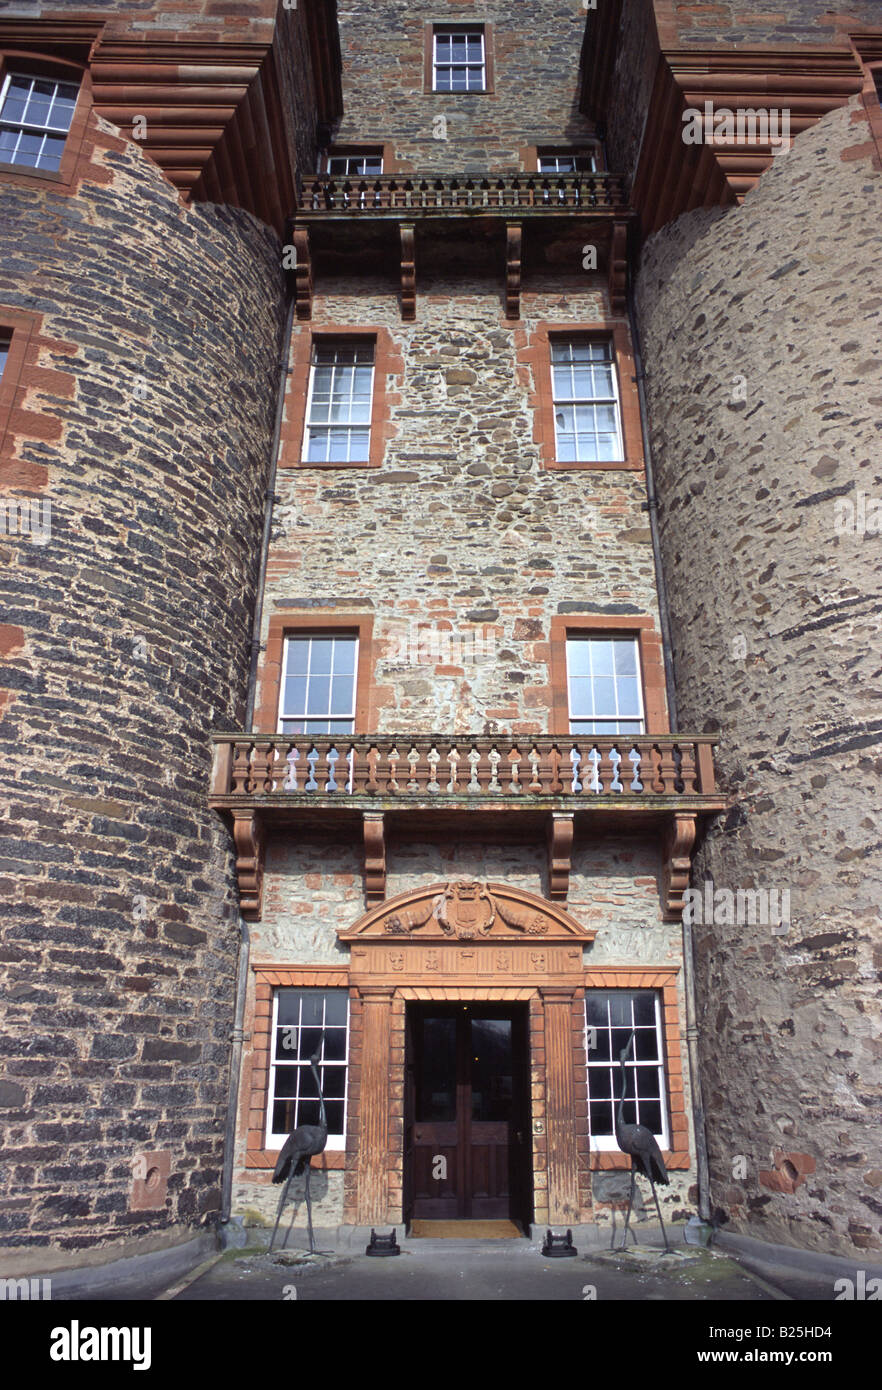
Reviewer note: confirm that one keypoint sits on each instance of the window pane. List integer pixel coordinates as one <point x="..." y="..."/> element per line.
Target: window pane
<point x="295" y="695"/>
<point x="341" y="696"/>
<point x="344" y="655"/>
<point x="333" y="1083"/>
<point x="604" y="696"/>
<point x="335" y="1043"/>
<point x="289" y="1006"/>
<point x="650" y="1115"/>
<point x="319" y="695"/>
<point x="628" y="699"/>
<point x="601" y="657"/>
<point x="625" y="657"/>
<point x="321" y="656"/>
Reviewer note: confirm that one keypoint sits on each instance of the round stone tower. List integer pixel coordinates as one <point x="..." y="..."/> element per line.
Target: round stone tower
<point x="146" y="337"/>
<point x="761" y="331"/>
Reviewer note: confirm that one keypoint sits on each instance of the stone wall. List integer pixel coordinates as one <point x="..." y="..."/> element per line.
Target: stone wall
<point x="144" y="420"/>
<point x="536" y="57"/>
<point x="761" y="339"/>
<point x="460" y="533"/>
<point x="314" y="886"/>
<point x="756" y="23"/>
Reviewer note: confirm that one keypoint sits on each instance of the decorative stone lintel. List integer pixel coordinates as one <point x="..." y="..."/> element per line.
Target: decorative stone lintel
<point x="679" y="843"/>
<point x="560" y="850"/>
<point x="374" y="859"/>
<point x="248" y="839"/>
<point x="408" y="271"/>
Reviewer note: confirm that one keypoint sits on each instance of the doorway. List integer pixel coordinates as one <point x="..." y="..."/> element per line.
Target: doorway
<point x="467" y="1102"/>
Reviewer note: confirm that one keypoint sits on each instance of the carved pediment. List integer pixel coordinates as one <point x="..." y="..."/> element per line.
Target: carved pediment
<point x="470" y="911"/>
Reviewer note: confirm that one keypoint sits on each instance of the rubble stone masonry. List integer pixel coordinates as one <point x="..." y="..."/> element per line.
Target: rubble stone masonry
<point x="460" y="537"/>
<point x="143" y="416"/>
<point x="534" y="50"/>
<point x="761" y="331"/>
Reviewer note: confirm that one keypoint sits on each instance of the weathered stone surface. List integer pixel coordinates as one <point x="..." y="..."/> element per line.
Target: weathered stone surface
<point x="130" y="644"/>
<point x="776" y="634"/>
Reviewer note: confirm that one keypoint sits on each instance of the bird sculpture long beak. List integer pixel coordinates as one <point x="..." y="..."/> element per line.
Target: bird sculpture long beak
<point x="623" y="1055"/>
<point x="318" y="1052"/>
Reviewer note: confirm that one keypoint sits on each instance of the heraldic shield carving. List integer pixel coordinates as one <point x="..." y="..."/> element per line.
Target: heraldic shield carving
<point x="468" y="911"/>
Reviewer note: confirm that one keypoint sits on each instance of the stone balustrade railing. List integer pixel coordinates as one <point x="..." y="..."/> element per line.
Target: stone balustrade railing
<point x="479" y="766"/>
<point x="515" y="193"/>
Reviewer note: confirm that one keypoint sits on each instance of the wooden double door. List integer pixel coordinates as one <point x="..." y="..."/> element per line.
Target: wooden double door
<point x="467" y="1139"/>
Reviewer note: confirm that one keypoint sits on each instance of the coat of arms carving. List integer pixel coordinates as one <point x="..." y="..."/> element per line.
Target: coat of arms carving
<point x="466" y="910"/>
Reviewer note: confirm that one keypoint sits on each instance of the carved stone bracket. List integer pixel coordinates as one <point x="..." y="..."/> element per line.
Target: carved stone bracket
<point x="560" y="851"/>
<point x="513" y="246"/>
<point x="678" y="847"/>
<point x="618" y="267"/>
<point x="248" y="839"/>
<point x="303" y="273"/>
<point x="408" y="271"/>
<point x="374" y="859"/>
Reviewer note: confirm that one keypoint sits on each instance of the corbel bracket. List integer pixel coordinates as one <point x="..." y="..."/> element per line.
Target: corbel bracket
<point x="560" y="855"/>
<point x="303" y="273"/>
<point x="618" y="267"/>
<point x="678" y="847"/>
<point x="408" y="271"/>
<point x="248" y="839"/>
<point x="374" y="859"/>
<point x="514" y="237"/>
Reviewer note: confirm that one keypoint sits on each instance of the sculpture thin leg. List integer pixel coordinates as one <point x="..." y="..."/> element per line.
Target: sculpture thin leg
<point x="309" y="1211"/>
<point x="658" y="1209"/>
<point x="630" y="1205"/>
<point x="279" y="1212"/>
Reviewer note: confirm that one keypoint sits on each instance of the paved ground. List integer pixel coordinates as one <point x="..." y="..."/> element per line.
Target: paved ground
<point x="487" y="1271"/>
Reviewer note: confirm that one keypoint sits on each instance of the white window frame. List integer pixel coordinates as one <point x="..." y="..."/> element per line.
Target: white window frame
<point x="606" y="1143"/>
<point x="25" y="127"/>
<point x="459" y="31"/>
<point x="571" y="156"/>
<point x="289" y="717"/>
<point x="579" y="340"/>
<point x="5" y="349"/>
<point x="619" y="717"/>
<point x="349" y="159"/>
<point x="325" y="427"/>
<point x="336" y="1142"/>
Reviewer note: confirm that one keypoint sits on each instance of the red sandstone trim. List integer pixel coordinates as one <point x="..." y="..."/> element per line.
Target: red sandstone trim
<point x="24" y="375"/>
<point x="529" y="154"/>
<point x="387" y="362"/>
<point x="429" y="55"/>
<point x="83" y="138"/>
<point x="652" y="669"/>
<point x="535" y="355"/>
<point x="255" y="1081"/>
<point x="391" y="164"/>
<point x="266" y="718"/>
<point x="663" y="978"/>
